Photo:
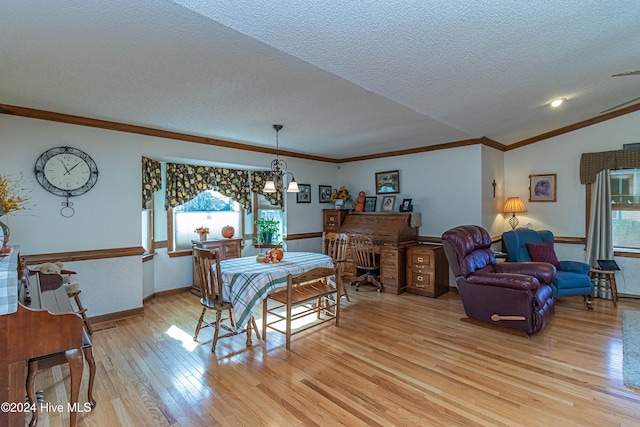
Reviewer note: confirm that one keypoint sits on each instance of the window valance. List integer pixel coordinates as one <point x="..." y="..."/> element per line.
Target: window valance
<point x="235" y="184"/>
<point x="185" y="182"/>
<point x="592" y="163"/>
<point x="258" y="179"/>
<point x="151" y="179"/>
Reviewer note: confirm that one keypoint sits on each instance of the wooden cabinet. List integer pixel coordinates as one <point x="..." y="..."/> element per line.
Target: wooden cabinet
<point x="427" y="270"/>
<point x="333" y="219"/>
<point x="228" y="248"/>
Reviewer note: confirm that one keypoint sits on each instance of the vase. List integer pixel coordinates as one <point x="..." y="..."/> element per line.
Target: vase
<point x="339" y="204"/>
<point x="203" y="237"/>
<point x="267" y="237"/>
<point x="5" y="234"/>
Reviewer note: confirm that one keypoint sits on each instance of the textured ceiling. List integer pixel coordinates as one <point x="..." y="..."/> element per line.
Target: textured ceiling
<point x="345" y="78"/>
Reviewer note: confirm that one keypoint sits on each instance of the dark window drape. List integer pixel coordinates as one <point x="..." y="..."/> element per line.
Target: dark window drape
<point x="151" y="179"/>
<point x="185" y="182"/>
<point x="235" y="184"/>
<point x="258" y="178"/>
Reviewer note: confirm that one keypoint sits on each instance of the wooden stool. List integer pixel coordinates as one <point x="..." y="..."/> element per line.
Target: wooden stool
<point x="609" y="279"/>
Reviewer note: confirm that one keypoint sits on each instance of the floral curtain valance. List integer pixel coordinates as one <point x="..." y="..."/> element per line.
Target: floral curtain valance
<point x="235" y="184"/>
<point x="592" y="163"/>
<point x="258" y="178"/>
<point x="185" y="182"/>
<point x="151" y="179"/>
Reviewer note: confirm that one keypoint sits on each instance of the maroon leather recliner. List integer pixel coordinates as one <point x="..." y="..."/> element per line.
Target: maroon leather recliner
<point x="516" y="295"/>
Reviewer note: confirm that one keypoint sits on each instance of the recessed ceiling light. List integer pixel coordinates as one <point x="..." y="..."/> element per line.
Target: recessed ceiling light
<point x="557" y="102"/>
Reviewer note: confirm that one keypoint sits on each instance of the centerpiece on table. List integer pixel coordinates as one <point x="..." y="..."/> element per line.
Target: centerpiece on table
<point x="10" y="200"/>
<point x="340" y="197"/>
<point x="202" y="232"/>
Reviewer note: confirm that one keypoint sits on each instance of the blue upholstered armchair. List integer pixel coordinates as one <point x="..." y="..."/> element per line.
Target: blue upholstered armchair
<point x="572" y="277"/>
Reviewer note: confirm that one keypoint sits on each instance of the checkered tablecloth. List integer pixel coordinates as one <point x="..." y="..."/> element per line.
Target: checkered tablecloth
<point x="247" y="282"/>
<point x="9" y="282"/>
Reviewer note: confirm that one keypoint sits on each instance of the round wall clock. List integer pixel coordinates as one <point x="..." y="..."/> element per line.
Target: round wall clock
<point x="66" y="172"/>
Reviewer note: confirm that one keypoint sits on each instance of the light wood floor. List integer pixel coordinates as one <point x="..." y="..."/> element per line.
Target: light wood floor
<point x="400" y="360"/>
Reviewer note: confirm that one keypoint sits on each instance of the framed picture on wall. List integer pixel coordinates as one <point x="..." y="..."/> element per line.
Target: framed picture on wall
<point x="387" y="203"/>
<point x="304" y="195"/>
<point x="542" y="188"/>
<point x="370" y="204"/>
<point x="388" y="182"/>
<point x="324" y="193"/>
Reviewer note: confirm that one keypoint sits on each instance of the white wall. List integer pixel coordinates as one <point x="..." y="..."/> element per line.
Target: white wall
<point x="492" y="204"/>
<point x="445" y="185"/>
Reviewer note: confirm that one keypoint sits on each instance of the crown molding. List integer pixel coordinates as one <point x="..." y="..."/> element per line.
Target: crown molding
<point x="32" y="113"/>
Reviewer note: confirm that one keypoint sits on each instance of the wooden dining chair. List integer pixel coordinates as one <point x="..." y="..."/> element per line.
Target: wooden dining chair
<point x="208" y="267"/>
<point x="336" y="245"/>
<point x="308" y="293"/>
<point x="364" y="257"/>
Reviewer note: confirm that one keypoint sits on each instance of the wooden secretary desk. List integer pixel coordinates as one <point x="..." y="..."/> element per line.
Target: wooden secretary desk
<point x="228" y="248"/>
<point x="392" y="234"/>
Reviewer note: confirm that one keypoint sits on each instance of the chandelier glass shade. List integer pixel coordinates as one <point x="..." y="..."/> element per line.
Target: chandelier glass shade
<point x="279" y="172"/>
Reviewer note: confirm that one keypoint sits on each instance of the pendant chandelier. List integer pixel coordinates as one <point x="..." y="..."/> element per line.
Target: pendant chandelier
<point x="278" y="172"/>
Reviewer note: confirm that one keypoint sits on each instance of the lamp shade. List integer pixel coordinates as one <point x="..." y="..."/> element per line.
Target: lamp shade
<point x="269" y="187"/>
<point x="293" y="187"/>
<point x="514" y="205"/>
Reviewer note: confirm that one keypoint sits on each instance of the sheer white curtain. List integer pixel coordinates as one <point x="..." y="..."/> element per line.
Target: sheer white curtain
<point x="600" y="237"/>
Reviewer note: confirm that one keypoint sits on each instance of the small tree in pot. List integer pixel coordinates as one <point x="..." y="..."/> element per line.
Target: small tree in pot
<point x="267" y="229"/>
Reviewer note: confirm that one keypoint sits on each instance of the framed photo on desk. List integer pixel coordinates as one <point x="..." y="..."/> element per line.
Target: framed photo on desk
<point x="387" y="203"/>
<point x="370" y="204"/>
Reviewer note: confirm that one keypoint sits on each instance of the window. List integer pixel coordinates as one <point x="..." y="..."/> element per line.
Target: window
<point x="625" y="208"/>
<point x="264" y="209"/>
<point x="209" y="209"/>
<point x="147" y="230"/>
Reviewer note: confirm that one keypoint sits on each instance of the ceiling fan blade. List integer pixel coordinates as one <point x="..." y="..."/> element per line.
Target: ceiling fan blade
<point x="630" y="73"/>
<point x="621" y="105"/>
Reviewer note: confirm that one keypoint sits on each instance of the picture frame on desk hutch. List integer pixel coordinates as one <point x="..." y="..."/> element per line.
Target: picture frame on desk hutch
<point x="388" y="203"/>
<point x="370" y="204"/>
<point x="406" y="205"/>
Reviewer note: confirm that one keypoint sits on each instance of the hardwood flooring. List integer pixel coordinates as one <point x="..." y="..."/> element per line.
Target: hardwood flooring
<point x="395" y="360"/>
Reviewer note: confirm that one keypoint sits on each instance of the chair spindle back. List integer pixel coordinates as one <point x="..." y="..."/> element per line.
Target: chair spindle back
<point x="208" y="264"/>
<point x="362" y="250"/>
<point x="336" y="245"/>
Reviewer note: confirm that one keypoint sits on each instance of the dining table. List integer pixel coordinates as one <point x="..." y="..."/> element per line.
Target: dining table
<point x="247" y="282"/>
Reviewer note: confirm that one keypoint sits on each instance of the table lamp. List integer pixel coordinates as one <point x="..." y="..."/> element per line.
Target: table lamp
<point x="514" y="205"/>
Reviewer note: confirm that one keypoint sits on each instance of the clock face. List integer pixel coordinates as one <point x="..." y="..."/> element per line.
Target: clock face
<point x="66" y="171"/>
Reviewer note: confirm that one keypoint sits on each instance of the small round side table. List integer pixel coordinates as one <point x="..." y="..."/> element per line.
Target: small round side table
<point x="607" y="277"/>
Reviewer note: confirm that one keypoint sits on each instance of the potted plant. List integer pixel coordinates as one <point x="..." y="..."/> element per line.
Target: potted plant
<point x="267" y="229"/>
